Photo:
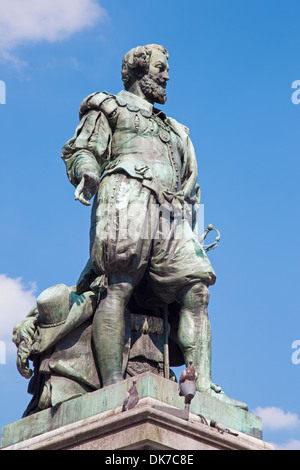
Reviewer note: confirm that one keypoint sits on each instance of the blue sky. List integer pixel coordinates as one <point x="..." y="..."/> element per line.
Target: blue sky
<point x="232" y="66"/>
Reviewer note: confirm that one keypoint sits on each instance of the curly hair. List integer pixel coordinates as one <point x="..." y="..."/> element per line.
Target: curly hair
<point x="135" y="63"/>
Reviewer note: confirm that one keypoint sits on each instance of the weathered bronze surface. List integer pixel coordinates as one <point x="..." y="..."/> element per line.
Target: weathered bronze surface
<point x="141" y="302"/>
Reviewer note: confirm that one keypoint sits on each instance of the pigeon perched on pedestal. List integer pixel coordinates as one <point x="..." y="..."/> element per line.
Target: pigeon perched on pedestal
<point x="132" y="397"/>
<point x="187" y="383"/>
<point x="214" y="424"/>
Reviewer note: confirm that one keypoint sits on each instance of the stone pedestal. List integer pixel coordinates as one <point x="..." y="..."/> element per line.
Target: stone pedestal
<point x="96" y="421"/>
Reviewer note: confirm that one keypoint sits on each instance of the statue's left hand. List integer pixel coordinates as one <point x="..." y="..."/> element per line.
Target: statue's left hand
<point x="86" y="189"/>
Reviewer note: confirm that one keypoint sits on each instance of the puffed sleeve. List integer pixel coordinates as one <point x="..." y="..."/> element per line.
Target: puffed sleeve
<point x="89" y="149"/>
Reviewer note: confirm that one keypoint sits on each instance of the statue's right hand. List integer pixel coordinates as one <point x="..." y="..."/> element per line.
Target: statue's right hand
<point x="86" y="189"/>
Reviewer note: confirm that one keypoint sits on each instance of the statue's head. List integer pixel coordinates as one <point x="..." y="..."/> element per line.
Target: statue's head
<point x="147" y="65"/>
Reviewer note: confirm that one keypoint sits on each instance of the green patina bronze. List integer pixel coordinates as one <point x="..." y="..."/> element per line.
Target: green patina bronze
<point x="140" y="304"/>
<point x="109" y="398"/>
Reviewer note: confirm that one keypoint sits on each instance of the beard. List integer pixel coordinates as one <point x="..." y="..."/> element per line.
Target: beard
<point x="153" y="88"/>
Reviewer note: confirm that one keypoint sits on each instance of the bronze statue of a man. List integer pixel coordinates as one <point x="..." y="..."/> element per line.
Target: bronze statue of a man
<point x="140" y="165"/>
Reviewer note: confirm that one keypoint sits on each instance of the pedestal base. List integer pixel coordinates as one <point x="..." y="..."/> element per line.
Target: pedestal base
<point x="96" y="421"/>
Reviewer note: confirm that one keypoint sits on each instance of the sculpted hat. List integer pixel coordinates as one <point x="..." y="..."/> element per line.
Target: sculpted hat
<point x="53" y="306"/>
<point x="60" y="311"/>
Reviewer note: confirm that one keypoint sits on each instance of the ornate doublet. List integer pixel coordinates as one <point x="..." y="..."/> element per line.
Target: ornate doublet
<point x="125" y="133"/>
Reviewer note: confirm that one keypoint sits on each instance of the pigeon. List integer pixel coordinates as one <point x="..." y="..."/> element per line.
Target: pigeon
<point x="132" y="397"/>
<point x="187" y="383"/>
<point x="214" y="424"/>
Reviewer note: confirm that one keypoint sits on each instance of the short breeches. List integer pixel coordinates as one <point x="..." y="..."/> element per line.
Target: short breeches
<point x="131" y="233"/>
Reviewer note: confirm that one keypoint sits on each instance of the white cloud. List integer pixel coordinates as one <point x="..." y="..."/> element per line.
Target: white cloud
<point x="7" y="57"/>
<point x="16" y="300"/>
<point x="26" y="21"/>
<point x="275" y="418"/>
<point x="292" y="444"/>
